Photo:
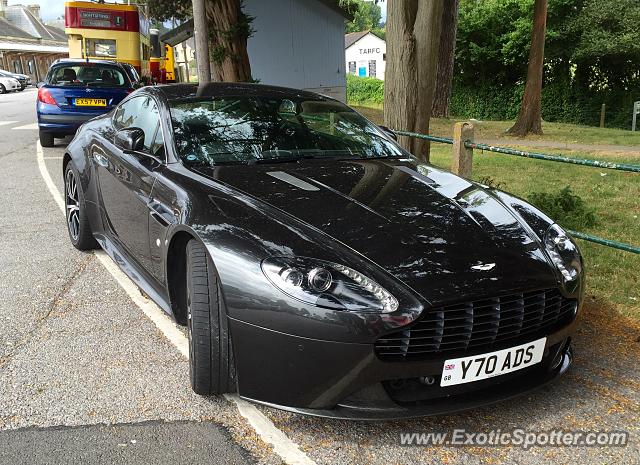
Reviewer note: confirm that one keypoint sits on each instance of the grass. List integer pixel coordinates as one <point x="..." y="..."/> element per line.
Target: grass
<point x="612" y="275"/>
<point x="556" y="132"/>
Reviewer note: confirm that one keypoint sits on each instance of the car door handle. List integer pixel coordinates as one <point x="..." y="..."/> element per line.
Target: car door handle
<point x="101" y="159"/>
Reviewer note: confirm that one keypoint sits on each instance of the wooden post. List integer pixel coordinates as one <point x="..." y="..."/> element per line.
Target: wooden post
<point x="462" y="156"/>
<point x="603" y="109"/>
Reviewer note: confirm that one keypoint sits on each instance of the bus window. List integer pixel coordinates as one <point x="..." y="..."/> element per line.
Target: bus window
<point x="102" y="48"/>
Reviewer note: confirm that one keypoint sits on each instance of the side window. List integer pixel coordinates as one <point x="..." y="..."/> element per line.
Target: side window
<point x="149" y="122"/>
<point x="142" y="112"/>
<point x="127" y="113"/>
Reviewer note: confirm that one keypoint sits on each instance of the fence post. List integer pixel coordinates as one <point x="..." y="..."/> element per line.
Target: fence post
<point x="462" y="161"/>
<point x="603" y="110"/>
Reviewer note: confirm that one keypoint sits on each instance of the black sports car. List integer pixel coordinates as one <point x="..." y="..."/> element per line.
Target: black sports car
<point x="318" y="266"/>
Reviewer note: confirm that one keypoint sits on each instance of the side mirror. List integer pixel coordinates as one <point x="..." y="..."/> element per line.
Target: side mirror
<point x="389" y="132"/>
<point x="40" y="84"/>
<point x="130" y="139"/>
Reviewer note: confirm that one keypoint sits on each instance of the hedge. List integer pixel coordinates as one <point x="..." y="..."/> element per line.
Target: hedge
<point x="561" y="102"/>
<point x="364" y="90"/>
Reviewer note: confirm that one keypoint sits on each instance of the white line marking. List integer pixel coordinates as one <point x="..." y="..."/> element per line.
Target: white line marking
<point x="288" y="450"/>
<point x="4" y="123"/>
<point x="27" y="126"/>
<point x="282" y="445"/>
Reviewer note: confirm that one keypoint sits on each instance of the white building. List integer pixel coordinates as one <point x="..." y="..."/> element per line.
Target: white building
<point x="297" y="43"/>
<point x="365" y="54"/>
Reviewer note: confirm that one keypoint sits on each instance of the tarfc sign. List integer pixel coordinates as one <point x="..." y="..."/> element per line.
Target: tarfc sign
<point x="368" y="51"/>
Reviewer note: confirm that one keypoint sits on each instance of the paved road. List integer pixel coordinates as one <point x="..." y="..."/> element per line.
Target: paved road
<point x="85" y="377"/>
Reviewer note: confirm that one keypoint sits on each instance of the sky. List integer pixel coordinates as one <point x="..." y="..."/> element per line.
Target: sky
<point x="53" y="9"/>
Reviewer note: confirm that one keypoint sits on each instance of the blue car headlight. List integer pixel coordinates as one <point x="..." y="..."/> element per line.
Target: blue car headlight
<point x="326" y="284"/>
<point x="563" y="252"/>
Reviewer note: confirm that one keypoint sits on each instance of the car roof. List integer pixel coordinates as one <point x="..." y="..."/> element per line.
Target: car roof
<point x="80" y="61"/>
<point x="221" y="89"/>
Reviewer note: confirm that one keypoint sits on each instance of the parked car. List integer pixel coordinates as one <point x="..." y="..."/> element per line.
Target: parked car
<point x="8" y="84"/>
<point x="23" y="79"/>
<point x="318" y="266"/>
<point x="74" y="91"/>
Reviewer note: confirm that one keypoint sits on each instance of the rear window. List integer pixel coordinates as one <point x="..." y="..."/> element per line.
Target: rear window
<point x="88" y="75"/>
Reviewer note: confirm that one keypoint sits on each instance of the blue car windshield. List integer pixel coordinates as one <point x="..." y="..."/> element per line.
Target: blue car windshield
<point x="246" y="130"/>
<point x="87" y="75"/>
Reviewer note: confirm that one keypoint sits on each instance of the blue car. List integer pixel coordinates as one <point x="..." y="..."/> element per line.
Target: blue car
<point x="75" y="91"/>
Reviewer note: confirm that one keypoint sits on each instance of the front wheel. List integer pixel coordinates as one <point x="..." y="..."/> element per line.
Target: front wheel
<point x="77" y="221"/>
<point x="211" y="364"/>
<point x="2" y="89"/>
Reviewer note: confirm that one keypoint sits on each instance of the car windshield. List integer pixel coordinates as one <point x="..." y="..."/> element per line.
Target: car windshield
<point x="87" y="74"/>
<point x="236" y="130"/>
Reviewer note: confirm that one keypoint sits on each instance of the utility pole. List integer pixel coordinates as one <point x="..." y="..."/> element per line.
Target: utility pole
<point x="201" y="33"/>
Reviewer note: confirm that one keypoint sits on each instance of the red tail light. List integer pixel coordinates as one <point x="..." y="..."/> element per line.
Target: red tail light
<point x="45" y="96"/>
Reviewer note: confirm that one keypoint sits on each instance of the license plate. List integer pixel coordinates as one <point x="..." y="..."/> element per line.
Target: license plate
<point x="483" y="366"/>
<point x="91" y="102"/>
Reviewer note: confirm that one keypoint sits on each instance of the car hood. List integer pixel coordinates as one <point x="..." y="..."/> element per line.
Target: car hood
<point x="441" y="235"/>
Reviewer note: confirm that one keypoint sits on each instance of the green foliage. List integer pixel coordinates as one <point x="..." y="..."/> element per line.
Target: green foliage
<point x="592" y="53"/>
<point x="565" y="207"/>
<point x="364" y="90"/>
<point x="367" y="16"/>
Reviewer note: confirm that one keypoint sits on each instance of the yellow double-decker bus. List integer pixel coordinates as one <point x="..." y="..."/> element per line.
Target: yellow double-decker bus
<point x="108" y="31"/>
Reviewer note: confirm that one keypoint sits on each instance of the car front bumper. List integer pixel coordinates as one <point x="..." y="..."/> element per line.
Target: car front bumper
<point x="348" y="381"/>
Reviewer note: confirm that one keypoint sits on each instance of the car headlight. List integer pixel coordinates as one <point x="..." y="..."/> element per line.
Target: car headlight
<point x="326" y="284"/>
<point x="563" y="252"/>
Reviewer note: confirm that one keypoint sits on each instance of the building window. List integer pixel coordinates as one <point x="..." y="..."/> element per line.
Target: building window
<point x="352" y="67"/>
<point x="372" y="68"/>
<point x="17" y="66"/>
<point x="101" y="48"/>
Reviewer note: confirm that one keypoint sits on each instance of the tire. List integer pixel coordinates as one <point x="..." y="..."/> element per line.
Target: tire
<point x="211" y="364"/>
<point x="2" y="89"/>
<point x="21" y="89"/>
<point x="46" y="139"/>
<point x="77" y="221"/>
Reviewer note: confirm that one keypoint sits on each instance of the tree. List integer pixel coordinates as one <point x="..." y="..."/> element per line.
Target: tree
<point x="366" y="17"/>
<point x="446" y="55"/>
<point x="530" y="116"/>
<point x="229" y="35"/>
<point x="229" y="29"/>
<point x="413" y="37"/>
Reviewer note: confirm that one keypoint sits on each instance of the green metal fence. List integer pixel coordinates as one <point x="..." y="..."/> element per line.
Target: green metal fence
<point x="544" y="156"/>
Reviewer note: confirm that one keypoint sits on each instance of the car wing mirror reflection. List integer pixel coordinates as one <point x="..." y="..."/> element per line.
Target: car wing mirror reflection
<point x="389" y="132"/>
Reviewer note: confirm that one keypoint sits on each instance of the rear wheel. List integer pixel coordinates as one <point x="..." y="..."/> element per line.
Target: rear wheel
<point x="46" y="139"/>
<point x="2" y="89"/>
<point x="211" y="364"/>
<point x="77" y="221"/>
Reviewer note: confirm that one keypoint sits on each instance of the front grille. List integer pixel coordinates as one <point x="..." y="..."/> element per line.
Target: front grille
<point x="489" y="324"/>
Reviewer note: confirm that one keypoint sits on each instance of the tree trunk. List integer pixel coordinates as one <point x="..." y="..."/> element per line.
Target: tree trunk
<point x="413" y="37"/>
<point x="229" y="45"/>
<point x="530" y="117"/>
<point x="201" y="33"/>
<point x="446" y="56"/>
